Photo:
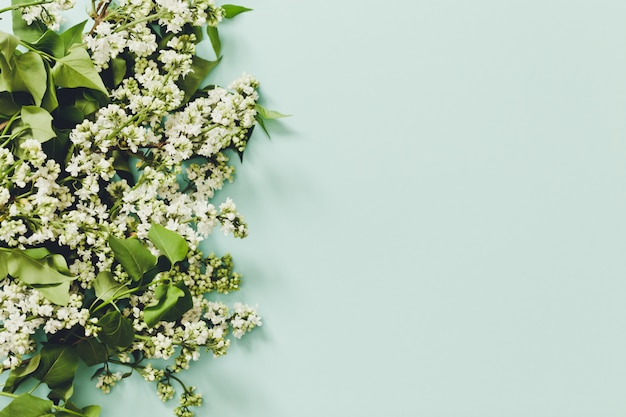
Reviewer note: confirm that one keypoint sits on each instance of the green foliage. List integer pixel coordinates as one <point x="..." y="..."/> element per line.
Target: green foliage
<point x="72" y="36"/>
<point x="134" y="257"/>
<point x="38" y="122"/>
<point x="107" y="287"/>
<point x="27" y="405"/>
<point x="21" y="374"/>
<point x="76" y="70"/>
<point x="57" y="365"/>
<point x="214" y="37"/>
<point x="232" y="10"/>
<point x="117" y="330"/>
<point x="171" y="244"/>
<point x="92" y="352"/>
<point x="200" y="69"/>
<point x="169" y="297"/>
<point x="50" y="43"/>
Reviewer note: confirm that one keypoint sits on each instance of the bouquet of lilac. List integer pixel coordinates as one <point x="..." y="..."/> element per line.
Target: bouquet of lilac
<point x="112" y="148"/>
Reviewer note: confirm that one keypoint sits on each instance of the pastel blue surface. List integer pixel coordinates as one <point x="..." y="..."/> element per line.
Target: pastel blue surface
<point x="439" y="230"/>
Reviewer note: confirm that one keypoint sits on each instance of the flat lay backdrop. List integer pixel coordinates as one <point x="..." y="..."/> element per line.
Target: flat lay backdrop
<point x="440" y="228"/>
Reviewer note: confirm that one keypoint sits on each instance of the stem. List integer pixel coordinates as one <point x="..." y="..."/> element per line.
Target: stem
<point x="20" y="6"/>
<point x="48" y="57"/>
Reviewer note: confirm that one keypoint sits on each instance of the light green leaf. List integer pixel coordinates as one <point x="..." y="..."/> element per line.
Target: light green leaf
<point x="232" y="10"/>
<point x="191" y="82"/>
<point x="8" y="43"/>
<point x="269" y="114"/>
<point x="58" y="365"/>
<point x="106" y="286"/>
<point x="36" y="253"/>
<point x="28" y="74"/>
<point x="21" y="374"/>
<point x="168" y="296"/>
<point x="34" y="271"/>
<point x="92" y="352"/>
<point x="117" y="330"/>
<point x="134" y="257"/>
<point x="76" y="70"/>
<point x="4" y="270"/>
<point x="50" y="42"/>
<point x="72" y="36"/>
<point x="25" y="31"/>
<point x="58" y="294"/>
<point x="50" y="101"/>
<point x="215" y="40"/>
<point x="27" y="405"/>
<point x="170" y="243"/>
<point x="39" y="121"/>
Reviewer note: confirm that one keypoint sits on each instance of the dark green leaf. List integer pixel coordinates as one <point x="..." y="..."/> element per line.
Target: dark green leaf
<point x="62" y="392"/>
<point x="167" y="296"/>
<point x="191" y="82"/>
<point x="231" y="10"/>
<point x="21" y="374"/>
<point x="170" y="243"/>
<point x="76" y="70"/>
<point x="8" y="106"/>
<point x="215" y="40"/>
<point x="118" y="67"/>
<point x="27" y="405"/>
<point x="72" y="36"/>
<point x="134" y="257"/>
<point x="50" y="101"/>
<point x="183" y="305"/>
<point x="39" y="121"/>
<point x="92" y="352"/>
<point x="4" y="270"/>
<point x="58" y="365"/>
<point x="117" y="330"/>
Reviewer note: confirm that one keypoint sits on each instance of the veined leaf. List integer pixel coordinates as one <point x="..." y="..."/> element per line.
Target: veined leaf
<point x="51" y="43"/>
<point x="92" y="352"/>
<point x="134" y="257"/>
<point x="117" y="330"/>
<point x="8" y="43"/>
<point x="232" y="10"/>
<point x="106" y="286"/>
<point x="62" y="392"/>
<point x="76" y="70"/>
<point x="34" y="271"/>
<point x="170" y="243"/>
<point x="27" y="405"/>
<point x="28" y="74"/>
<point x="25" y="31"/>
<point x="20" y="374"/>
<point x="168" y="296"/>
<point x="57" y="366"/>
<point x="72" y="36"/>
<point x="58" y="294"/>
<point x="39" y="121"/>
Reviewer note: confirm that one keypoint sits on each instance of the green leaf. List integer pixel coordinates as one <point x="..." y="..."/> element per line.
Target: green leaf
<point x="170" y="243"/>
<point x="118" y="68"/>
<point x="58" y="365"/>
<point x="21" y="374"/>
<point x="25" y="31"/>
<point x="27" y="405"/>
<point x="4" y="270"/>
<point x="58" y="294"/>
<point x="76" y="70"/>
<point x="8" y="106"/>
<point x="39" y="121"/>
<point x="62" y="392"/>
<point x="92" y="352"/>
<point x="50" y="101"/>
<point x="50" y="42"/>
<point x="34" y="271"/>
<point x="8" y="43"/>
<point x="106" y="286"/>
<point x="134" y="257"/>
<point x="231" y="10"/>
<point x="73" y="35"/>
<point x="167" y="296"/>
<point x="183" y="305"/>
<point x="269" y="114"/>
<point x="200" y="69"/>
<point x="117" y="330"/>
<point x="215" y="40"/>
<point x="25" y="72"/>
<point x="261" y="123"/>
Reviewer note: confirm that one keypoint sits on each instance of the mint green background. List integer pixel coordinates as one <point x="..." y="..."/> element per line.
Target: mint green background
<point x="440" y="228"/>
